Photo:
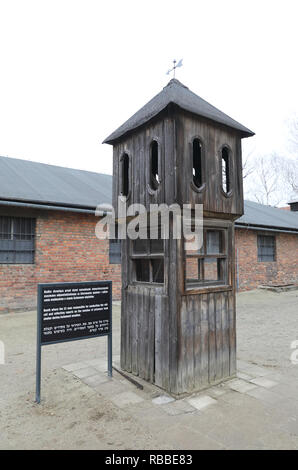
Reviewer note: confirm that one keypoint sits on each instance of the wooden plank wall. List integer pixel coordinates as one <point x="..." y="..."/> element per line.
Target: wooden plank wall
<point x="213" y="138"/>
<point x="206" y="340"/>
<point x="145" y="335"/>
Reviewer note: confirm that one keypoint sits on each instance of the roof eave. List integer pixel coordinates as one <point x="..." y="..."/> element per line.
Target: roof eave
<point x="245" y="132"/>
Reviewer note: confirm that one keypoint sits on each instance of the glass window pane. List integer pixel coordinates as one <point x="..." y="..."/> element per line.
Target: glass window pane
<point x="194" y="270"/>
<point x="140" y="246"/>
<point x="212" y="269"/>
<point x="156" y="246"/>
<point x="157" y="270"/>
<point x="142" y="270"/>
<point x="214" y="242"/>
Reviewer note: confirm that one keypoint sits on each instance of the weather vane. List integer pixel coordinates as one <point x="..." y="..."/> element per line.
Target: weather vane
<point x="179" y="64"/>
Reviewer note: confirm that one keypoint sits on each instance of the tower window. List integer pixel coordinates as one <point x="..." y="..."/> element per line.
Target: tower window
<point x="208" y="266"/>
<point x="225" y="170"/>
<point x="197" y="163"/>
<point x="154" y="170"/>
<point x="124" y="174"/>
<point x="148" y="259"/>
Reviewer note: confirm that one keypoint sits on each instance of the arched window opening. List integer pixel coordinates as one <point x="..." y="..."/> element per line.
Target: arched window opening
<point x="154" y="173"/>
<point x="197" y="174"/>
<point x="225" y="170"/>
<point x="125" y="175"/>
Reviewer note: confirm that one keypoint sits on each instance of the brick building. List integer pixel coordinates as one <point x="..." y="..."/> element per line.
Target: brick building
<point x="47" y="234"/>
<point x="266" y="241"/>
<point x="47" y="230"/>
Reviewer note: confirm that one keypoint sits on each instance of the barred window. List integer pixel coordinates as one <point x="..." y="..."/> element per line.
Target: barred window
<point x="266" y="248"/>
<point x="17" y="236"/>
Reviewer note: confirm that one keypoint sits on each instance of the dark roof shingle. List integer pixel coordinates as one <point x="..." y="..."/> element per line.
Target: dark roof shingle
<point x="177" y="93"/>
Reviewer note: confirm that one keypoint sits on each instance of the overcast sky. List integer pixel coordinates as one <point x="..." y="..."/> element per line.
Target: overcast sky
<point x="72" y="71"/>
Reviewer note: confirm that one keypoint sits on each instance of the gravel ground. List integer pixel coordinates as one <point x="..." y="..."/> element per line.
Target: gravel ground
<point x="73" y="415"/>
<point x="267" y="323"/>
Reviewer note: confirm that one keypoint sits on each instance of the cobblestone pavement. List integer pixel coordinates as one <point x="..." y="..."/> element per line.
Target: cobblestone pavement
<point x="256" y="410"/>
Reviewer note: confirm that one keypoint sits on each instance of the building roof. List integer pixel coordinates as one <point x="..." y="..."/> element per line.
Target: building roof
<point x="26" y="181"/>
<point x="177" y="93"/>
<point x="259" y="215"/>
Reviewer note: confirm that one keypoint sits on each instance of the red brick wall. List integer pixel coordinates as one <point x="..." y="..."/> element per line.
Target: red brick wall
<point x="66" y="250"/>
<point x="253" y="273"/>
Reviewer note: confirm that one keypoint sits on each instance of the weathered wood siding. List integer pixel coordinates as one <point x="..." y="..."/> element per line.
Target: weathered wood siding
<point x="180" y="340"/>
<point x="145" y="337"/>
<point x="206" y="337"/>
<point x="137" y="147"/>
<point x="213" y="138"/>
<point x="174" y="135"/>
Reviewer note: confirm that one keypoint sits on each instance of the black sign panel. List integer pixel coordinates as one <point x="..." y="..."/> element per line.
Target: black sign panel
<point x="70" y="311"/>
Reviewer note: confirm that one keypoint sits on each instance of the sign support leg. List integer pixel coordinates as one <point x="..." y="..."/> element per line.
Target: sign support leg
<point x="38" y="347"/>
<point x="110" y="372"/>
<point x="38" y="372"/>
<point x="110" y="344"/>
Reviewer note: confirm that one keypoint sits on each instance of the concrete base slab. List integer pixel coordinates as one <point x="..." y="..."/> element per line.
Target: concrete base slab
<point x="263" y="382"/>
<point x="86" y="372"/>
<point x="240" y="385"/>
<point x="162" y="400"/>
<point x="201" y="402"/>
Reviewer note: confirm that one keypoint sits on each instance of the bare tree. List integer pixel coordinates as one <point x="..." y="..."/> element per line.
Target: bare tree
<point x="267" y="191"/>
<point x="272" y="181"/>
<point x="293" y="137"/>
<point x="248" y="165"/>
<point x="289" y="173"/>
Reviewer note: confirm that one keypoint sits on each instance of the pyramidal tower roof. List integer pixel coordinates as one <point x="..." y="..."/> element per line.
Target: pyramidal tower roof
<point x="177" y="93"/>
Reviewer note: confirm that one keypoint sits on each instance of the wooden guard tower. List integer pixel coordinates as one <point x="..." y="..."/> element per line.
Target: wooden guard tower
<point x="178" y="327"/>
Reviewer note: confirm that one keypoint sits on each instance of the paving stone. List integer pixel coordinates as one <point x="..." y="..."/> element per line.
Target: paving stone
<point x="240" y="386"/>
<point x="217" y="391"/>
<point x="101" y="367"/>
<point x="264" y="382"/>
<point x="266" y="396"/>
<point x="95" y="380"/>
<point x="100" y="362"/>
<point x="162" y="400"/>
<point x="126" y="398"/>
<point x="110" y="388"/>
<point x="179" y="407"/>
<point x="75" y="366"/>
<point x="201" y="402"/>
<point x="86" y="372"/>
<point x="243" y="376"/>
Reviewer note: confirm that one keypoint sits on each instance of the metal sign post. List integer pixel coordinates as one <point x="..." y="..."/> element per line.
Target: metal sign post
<point x="72" y="311"/>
